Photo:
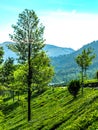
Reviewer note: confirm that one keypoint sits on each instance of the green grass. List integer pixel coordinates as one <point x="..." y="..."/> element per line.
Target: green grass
<point x="91" y="81"/>
<point x="53" y="110"/>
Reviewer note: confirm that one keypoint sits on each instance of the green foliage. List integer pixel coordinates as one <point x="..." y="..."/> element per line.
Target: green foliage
<point x="66" y="71"/>
<point x="74" y="87"/>
<point x="28" y="38"/>
<point x="90" y="81"/>
<point x="20" y="78"/>
<point x="84" y="60"/>
<point x="53" y="110"/>
<point x="1" y="54"/>
<point x="42" y="71"/>
<point x="28" y="46"/>
<point x="6" y="76"/>
<point x="41" y="76"/>
<point x="27" y="31"/>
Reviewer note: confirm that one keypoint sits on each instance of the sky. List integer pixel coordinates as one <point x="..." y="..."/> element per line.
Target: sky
<point x="68" y="23"/>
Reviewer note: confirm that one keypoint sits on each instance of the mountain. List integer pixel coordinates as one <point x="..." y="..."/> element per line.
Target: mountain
<point x="55" y="51"/>
<point x="51" y="50"/>
<point x="63" y="60"/>
<point x="66" y="67"/>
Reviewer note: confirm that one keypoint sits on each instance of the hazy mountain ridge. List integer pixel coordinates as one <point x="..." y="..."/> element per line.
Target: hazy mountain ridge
<point x="55" y="51"/>
<point x="51" y="50"/>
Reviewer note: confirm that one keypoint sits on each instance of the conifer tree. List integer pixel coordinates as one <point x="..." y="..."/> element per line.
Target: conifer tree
<point x="28" y="43"/>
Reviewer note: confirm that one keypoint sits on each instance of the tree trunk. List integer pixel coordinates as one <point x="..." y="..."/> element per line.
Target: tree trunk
<point x="85" y="73"/>
<point x="13" y="96"/>
<point x="29" y="83"/>
<point x="18" y="95"/>
<point x="82" y="80"/>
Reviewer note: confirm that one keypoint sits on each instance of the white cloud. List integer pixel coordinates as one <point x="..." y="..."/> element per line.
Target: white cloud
<point x="69" y="29"/>
<point x="4" y="33"/>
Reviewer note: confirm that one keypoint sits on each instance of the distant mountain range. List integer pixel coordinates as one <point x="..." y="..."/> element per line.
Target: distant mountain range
<point x="51" y="50"/>
<point x="63" y="60"/>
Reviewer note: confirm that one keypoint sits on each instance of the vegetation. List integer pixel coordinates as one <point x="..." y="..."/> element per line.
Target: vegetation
<point x="1" y="54"/>
<point x="65" y="66"/>
<point x="67" y="69"/>
<point x="52" y="110"/>
<point x="28" y="45"/>
<point x="97" y="74"/>
<point x="7" y="72"/>
<point x="84" y="60"/>
<point x="27" y="86"/>
<point x="74" y="87"/>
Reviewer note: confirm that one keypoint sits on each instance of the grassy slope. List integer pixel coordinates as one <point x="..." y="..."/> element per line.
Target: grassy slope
<point x="53" y="110"/>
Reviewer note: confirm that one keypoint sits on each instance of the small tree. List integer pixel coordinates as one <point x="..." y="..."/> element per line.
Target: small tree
<point x="84" y="60"/>
<point x="74" y="87"/>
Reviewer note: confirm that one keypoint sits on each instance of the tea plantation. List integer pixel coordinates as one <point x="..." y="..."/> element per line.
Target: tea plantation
<point x="55" y="109"/>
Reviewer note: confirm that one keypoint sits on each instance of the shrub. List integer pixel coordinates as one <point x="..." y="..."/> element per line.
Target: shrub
<point x="74" y="87"/>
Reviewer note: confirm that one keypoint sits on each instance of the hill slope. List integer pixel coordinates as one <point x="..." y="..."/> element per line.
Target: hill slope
<point x="55" y="51"/>
<point x="53" y="110"/>
<point x="66" y="67"/>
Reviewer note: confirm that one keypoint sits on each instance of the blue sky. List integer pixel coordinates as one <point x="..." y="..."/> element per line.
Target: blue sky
<point x="68" y="23"/>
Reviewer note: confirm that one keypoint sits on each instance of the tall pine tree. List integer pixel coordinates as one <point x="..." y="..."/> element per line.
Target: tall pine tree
<point x="28" y="38"/>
